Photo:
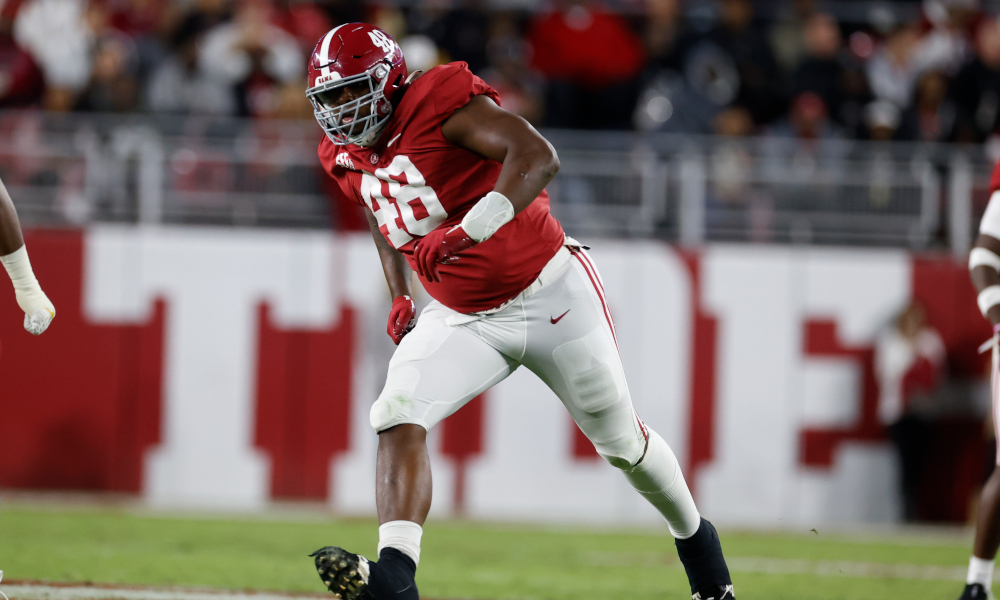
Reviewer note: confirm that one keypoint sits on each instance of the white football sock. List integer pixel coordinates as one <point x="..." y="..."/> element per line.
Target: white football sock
<point x="659" y="479"/>
<point x="403" y="536"/>
<point x="980" y="571"/>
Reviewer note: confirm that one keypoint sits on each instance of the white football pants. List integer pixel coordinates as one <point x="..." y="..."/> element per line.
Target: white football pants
<point x="561" y="329"/>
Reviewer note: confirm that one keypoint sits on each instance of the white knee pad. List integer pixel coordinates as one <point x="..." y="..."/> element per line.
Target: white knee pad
<point x="396" y="403"/>
<point x="659" y="479"/>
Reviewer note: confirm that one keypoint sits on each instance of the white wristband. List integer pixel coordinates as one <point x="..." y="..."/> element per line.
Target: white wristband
<point x="981" y="257"/>
<point x="38" y="309"/>
<point x="492" y="212"/>
<point x="988" y="298"/>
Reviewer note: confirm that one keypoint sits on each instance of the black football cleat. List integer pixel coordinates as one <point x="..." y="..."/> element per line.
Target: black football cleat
<point x="721" y="592"/>
<point x="976" y="591"/>
<point x="701" y="555"/>
<point x="343" y="573"/>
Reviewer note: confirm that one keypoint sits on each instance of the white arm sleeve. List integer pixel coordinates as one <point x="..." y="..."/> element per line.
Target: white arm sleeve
<point x="990" y="225"/>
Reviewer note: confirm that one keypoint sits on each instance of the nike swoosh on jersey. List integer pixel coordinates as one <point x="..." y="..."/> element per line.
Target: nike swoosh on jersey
<point x="559" y="318"/>
<point x="393" y="139"/>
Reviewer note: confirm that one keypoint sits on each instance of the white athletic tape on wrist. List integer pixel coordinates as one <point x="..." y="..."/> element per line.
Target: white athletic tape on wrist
<point x="403" y="536"/>
<point x="38" y="310"/>
<point x="981" y="257"/>
<point x="990" y="225"/>
<point x="492" y="212"/>
<point x="988" y="298"/>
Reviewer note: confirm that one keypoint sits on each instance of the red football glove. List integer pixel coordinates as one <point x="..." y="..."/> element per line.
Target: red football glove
<point x="401" y="318"/>
<point x="440" y="246"/>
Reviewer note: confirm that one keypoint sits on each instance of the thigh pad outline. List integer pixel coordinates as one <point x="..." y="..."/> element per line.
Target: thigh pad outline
<point x="592" y="372"/>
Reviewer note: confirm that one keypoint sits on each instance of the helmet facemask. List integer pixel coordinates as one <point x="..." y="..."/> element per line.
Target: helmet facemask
<point x="359" y="129"/>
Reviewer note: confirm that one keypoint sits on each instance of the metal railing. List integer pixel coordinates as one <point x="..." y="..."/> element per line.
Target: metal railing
<point x="696" y="189"/>
<point x="75" y="169"/>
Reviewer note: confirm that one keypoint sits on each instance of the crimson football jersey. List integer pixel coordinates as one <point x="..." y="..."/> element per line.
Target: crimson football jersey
<point x="414" y="181"/>
<point x="995" y="178"/>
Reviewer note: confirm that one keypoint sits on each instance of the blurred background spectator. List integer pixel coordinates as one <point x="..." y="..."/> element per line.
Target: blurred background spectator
<point x="910" y="367"/>
<point x="976" y="89"/>
<point x="590" y="57"/>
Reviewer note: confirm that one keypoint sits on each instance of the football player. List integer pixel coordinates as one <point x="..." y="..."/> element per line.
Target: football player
<point x="984" y="269"/>
<point x="38" y="310"/>
<point x="454" y="188"/>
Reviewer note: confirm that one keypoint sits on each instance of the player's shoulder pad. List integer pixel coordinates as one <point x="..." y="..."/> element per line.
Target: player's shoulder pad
<point x="441" y="91"/>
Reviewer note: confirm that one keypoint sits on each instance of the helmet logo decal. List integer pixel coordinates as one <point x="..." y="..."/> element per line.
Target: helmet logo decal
<point x="381" y="40"/>
<point x="333" y="76"/>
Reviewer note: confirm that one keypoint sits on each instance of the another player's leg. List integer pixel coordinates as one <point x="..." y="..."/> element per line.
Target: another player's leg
<point x="578" y="358"/>
<point x="434" y="372"/>
<point x="979" y="580"/>
<point x="980" y="576"/>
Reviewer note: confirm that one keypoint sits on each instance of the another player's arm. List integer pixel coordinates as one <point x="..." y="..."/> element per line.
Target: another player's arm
<point x="984" y="261"/>
<point x="397" y="276"/>
<point x="38" y="310"/>
<point x="984" y="270"/>
<point x="529" y="164"/>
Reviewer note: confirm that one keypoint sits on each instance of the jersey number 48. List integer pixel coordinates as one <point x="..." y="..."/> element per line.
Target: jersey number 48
<point x="400" y="191"/>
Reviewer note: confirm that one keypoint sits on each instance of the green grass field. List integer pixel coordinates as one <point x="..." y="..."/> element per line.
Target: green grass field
<point x="63" y="543"/>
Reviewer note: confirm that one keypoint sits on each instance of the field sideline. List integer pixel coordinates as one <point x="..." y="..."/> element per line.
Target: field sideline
<point x="129" y="553"/>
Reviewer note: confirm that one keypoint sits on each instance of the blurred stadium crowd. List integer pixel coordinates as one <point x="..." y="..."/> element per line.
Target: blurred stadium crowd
<point x="902" y="70"/>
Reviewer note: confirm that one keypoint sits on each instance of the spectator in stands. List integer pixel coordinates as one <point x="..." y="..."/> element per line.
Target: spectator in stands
<point x="21" y="82"/>
<point x="666" y="35"/>
<point x="254" y="57"/>
<point x="882" y="120"/>
<point x="892" y="69"/>
<point x="761" y="87"/>
<point x="519" y="86"/>
<point x="733" y="201"/>
<point x="179" y="85"/>
<point x="787" y="35"/>
<point x="304" y="20"/>
<point x="684" y="83"/>
<point x="113" y="84"/>
<point x="591" y="58"/>
<point x="931" y="118"/>
<point x="976" y="89"/>
<point x="147" y="23"/>
<point x="808" y="120"/>
<point x="945" y="44"/>
<point x="66" y="65"/>
<point x="460" y="32"/>
<point x="830" y="71"/>
<point x="909" y="366"/>
<point x="465" y="30"/>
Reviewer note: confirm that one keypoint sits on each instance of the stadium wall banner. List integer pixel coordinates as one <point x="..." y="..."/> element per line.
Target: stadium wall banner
<point x="227" y="368"/>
